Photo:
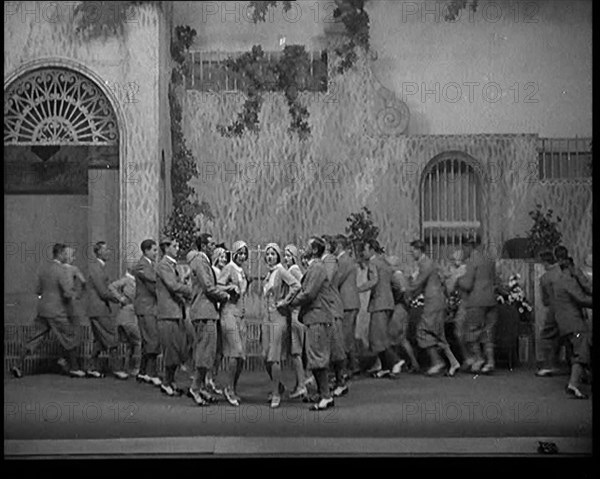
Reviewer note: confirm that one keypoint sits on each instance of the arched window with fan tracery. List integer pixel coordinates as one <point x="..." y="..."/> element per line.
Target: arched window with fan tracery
<point x="451" y="202"/>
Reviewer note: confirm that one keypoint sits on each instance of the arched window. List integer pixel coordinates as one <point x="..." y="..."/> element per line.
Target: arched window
<point x="55" y="106"/>
<point x="451" y="202"/>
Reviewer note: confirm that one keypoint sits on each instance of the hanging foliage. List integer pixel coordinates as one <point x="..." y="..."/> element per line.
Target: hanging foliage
<point x="182" y="224"/>
<point x="288" y="74"/>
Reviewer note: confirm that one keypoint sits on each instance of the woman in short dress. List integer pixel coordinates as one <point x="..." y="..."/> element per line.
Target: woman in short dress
<point x="233" y="325"/>
<point x="279" y="289"/>
<point x="297" y="329"/>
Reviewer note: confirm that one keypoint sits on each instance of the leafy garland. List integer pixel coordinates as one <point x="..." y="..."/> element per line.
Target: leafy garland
<point x="262" y="76"/>
<point x="181" y="224"/>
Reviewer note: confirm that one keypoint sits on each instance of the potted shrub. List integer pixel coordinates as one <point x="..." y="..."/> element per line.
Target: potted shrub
<point x="544" y="233"/>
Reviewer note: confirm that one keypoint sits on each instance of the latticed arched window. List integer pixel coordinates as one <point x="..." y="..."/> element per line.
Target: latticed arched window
<point x="451" y="203"/>
<point x="56" y="106"/>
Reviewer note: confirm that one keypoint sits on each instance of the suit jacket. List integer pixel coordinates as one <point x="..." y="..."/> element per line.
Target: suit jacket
<point x="547" y="283"/>
<point x="99" y="296"/>
<point x="379" y="281"/>
<point x="124" y="288"/>
<point x="145" y="287"/>
<point x="170" y="290"/>
<point x="55" y="286"/>
<point x="333" y="273"/>
<point x="429" y="283"/>
<point x="478" y="282"/>
<point x="584" y="282"/>
<point x="347" y="270"/>
<point x="569" y="300"/>
<point x="316" y="296"/>
<point x="206" y="292"/>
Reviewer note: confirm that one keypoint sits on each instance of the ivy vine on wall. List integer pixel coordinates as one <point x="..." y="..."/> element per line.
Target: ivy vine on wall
<point x="181" y="224"/>
<point x="288" y="75"/>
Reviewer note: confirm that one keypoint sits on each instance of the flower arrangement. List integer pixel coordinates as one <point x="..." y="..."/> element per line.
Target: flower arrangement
<point x="515" y="296"/>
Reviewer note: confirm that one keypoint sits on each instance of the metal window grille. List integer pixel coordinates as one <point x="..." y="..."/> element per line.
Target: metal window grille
<point x="451" y="205"/>
<point x="565" y="159"/>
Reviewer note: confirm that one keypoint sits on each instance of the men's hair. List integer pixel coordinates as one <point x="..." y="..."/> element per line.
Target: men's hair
<point x="419" y="244"/>
<point x="221" y="245"/>
<point x="164" y="243"/>
<point x="564" y="264"/>
<point x="342" y="241"/>
<point x="57" y="249"/>
<point x="547" y="257"/>
<point x="147" y="244"/>
<point x="98" y="246"/>
<point x="202" y="240"/>
<point x="317" y="245"/>
<point x="561" y="252"/>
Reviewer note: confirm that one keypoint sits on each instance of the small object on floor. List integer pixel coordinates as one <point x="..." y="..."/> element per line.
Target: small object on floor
<point x="547" y="447"/>
<point x="322" y="405"/>
<point x="16" y="372"/>
<point x="575" y="393"/>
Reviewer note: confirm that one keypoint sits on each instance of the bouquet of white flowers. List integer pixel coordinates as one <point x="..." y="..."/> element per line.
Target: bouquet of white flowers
<point x="515" y="296"/>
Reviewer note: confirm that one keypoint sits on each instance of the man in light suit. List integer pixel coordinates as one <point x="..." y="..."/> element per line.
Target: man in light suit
<point x="430" y="330"/>
<point x="171" y="292"/>
<point x="55" y="292"/>
<point x="549" y="334"/>
<point x="103" y="324"/>
<point x="381" y="308"/>
<point x="205" y="315"/>
<point x="145" y="309"/>
<point x="478" y="293"/>
<point x="569" y="301"/>
<point x="347" y="270"/>
<point x="338" y="353"/>
<point x="316" y="299"/>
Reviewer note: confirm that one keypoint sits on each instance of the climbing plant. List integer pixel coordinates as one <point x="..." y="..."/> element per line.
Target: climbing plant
<point x="181" y="224"/>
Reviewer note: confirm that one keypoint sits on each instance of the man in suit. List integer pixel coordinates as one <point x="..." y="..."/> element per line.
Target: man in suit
<point x="348" y="287"/>
<point x="103" y="325"/>
<point x="55" y="291"/>
<point x="381" y="308"/>
<point x="478" y="293"/>
<point x="569" y="299"/>
<point x="170" y="294"/>
<point x="338" y="352"/>
<point x="205" y="315"/>
<point x="317" y="313"/>
<point x="430" y="330"/>
<point x="145" y="308"/>
<point x="549" y="333"/>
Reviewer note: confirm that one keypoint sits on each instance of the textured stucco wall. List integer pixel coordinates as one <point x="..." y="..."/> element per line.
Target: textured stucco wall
<point x="536" y="54"/>
<point x="271" y="187"/>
